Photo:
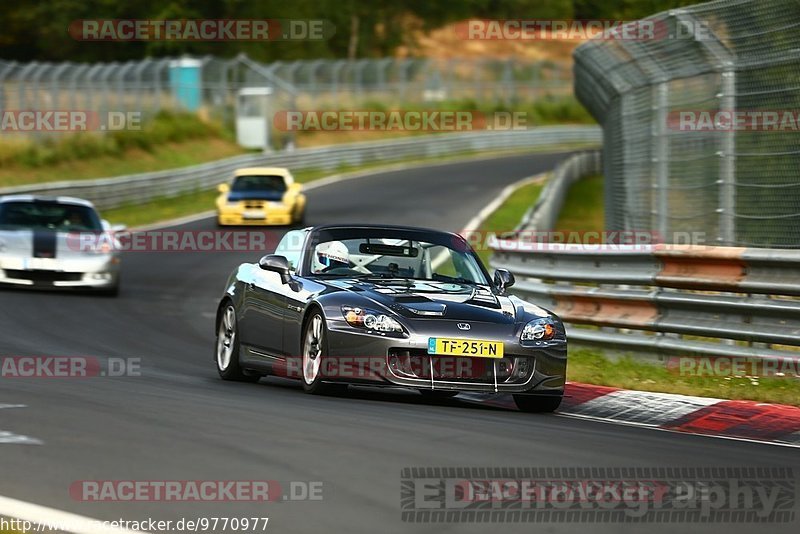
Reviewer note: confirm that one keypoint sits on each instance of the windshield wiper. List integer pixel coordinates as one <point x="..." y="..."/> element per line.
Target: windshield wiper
<point x="455" y="279"/>
<point x="385" y="277"/>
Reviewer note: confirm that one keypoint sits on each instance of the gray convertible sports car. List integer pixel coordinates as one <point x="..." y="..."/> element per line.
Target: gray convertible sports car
<point x="387" y="306"/>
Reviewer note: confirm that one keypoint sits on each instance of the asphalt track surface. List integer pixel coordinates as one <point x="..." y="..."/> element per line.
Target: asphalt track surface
<point x="179" y="421"/>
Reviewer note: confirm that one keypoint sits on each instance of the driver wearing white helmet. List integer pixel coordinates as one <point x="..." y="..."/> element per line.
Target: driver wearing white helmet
<point x="331" y="255"/>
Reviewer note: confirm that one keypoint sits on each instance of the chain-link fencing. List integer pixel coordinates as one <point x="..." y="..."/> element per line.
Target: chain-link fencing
<point x="210" y="85"/>
<point x="701" y="118"/>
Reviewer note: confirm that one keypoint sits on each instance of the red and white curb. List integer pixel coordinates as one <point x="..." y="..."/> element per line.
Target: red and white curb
<point x="734" y="419"/>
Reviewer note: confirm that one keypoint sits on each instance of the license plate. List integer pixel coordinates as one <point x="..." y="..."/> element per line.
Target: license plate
<point x="465" y="347"/>
<point x="253" y="214"/>
<point x="39" y="264"/>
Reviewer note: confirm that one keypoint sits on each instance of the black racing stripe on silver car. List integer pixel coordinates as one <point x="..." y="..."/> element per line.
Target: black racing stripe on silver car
<point x="44" y="244"/>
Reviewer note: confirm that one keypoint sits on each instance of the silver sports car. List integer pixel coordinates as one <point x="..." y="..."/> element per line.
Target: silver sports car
<point x="387" y="306"/>
<point x="56" y="242"/>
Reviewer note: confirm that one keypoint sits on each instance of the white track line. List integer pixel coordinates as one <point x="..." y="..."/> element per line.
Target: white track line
<point x="9" y="438"/>
<point x="672" y="430"/>
<point x="490" y="208"/>
<point x="53" y="520"/>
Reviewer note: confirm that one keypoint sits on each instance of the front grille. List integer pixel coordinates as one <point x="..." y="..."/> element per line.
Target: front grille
<point x="417" y="364"/>
<point x="43" y="276"/>
<point x="254" y="204"/>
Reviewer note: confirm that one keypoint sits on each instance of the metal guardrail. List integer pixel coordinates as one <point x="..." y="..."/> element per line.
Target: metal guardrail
<point x="138" y="188"/>
<point x="665" y="299"/>
<point x="654" y="299"/>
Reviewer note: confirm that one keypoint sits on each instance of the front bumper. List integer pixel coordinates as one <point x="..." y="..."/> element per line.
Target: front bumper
<point x="378" y="360"/>
<point x="270" y="217"/>
<point x="86" y="273"/>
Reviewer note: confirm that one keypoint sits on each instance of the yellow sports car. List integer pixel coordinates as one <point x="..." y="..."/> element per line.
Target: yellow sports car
<point x="261" y="196"/>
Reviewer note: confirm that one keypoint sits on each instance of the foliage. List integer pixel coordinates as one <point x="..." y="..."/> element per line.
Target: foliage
<point x="37" y="29"/>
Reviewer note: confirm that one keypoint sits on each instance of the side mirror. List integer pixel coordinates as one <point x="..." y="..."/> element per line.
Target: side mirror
<point x="276" y="264"/>
<point x="223" y="188"/>
<point x="503" y="279"/>
<point x="295" y="187"/>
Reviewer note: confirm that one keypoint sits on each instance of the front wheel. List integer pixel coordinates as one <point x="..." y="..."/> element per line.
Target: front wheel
<point x="537" y="403"/>
<point x="227" y="348"/>
<point x="315" y="347"/>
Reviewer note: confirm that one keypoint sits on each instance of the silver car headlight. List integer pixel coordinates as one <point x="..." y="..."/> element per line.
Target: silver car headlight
<point x="371" y="320"/>
<point x="538" y="330"/>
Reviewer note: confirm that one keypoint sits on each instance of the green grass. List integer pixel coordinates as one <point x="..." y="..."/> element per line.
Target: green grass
<point x="592" y="367"/>
<point x="167" y="156"/>
<point x="162" y="209"/>
<point x="507" y="217"/>
<point x="583" y="208"/>
<point x="164" y="127"/>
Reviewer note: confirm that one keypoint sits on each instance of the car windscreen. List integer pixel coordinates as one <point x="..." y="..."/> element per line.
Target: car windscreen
<point x="391" y="255"/>
<point x="54" y="216"/>
<point x="259" y="183"/>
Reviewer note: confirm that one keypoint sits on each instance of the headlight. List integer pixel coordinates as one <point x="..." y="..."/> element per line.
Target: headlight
<point x="538" y="330"/>
<point x="370" y="320"/>
<point x="91" y="243"/>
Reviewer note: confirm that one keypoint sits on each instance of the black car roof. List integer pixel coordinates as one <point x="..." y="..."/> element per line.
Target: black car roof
<point x="380" y="227"/>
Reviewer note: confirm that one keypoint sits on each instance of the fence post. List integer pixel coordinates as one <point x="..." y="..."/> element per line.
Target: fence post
<point x="661" y="157"/>
<point x="727" y="174"/>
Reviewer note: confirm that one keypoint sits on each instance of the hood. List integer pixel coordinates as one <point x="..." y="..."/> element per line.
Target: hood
<point x="422" y="299"/>
<point x="42" y="244"/>
<point x="236" y="196"/>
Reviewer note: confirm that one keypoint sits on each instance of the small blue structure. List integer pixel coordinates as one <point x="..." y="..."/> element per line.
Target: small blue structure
<point x="185" y="80"/>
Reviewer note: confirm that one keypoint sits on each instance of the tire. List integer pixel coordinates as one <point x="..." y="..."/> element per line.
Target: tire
<point x="226" y="348"/>
<point x="438" y="393"/>
<point x="300" y="220"/>
<point x="314" y="348"/>
<point x="112" y="291"/>
<point x="538" y="403"/>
